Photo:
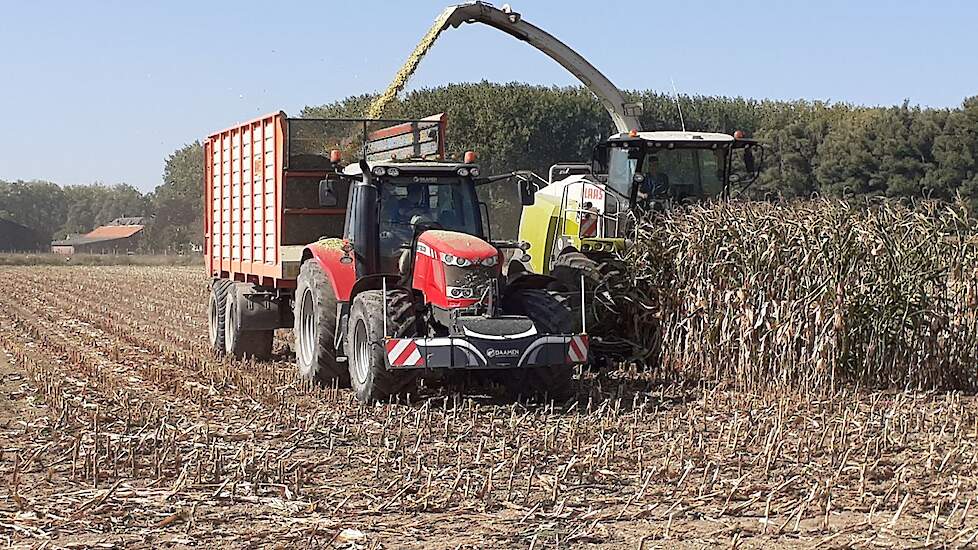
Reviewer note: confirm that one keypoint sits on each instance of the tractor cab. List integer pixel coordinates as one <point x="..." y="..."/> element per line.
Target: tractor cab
<point x="411" y="198"/>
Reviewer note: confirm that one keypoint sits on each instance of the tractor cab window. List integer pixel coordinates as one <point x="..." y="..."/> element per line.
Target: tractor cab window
<point x="446" y="203"/>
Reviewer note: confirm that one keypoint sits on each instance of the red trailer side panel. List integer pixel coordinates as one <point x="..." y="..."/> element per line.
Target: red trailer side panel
<point x="242" y="189"/>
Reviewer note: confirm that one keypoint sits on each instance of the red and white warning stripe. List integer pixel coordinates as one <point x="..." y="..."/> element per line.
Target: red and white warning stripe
<point x="577" y="350"/>
<point x="589" y="225"/>
<point x="403" y="352"/>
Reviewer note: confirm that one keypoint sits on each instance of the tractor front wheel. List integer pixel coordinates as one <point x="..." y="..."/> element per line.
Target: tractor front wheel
<point x="369" y="376"/>
<point x="551" y="313"/>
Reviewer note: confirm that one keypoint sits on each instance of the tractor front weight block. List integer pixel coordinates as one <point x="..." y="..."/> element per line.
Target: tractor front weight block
<point x="450" y="352"/>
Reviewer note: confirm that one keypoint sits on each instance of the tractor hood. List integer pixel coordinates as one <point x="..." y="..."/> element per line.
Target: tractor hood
<point x="454" y="269"/>
<point x="457" y="245"/>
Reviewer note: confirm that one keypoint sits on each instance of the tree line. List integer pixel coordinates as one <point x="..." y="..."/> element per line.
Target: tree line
<point x="835" y="149"/>
<point x="813" y="148"/>
<point x="56" y="212"/>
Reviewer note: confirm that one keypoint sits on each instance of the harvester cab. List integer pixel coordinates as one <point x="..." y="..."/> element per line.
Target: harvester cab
<point x="586" y="211"/>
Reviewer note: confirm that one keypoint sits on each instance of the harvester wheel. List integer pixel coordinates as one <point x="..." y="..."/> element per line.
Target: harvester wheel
<point x="215" y="314"/>
<point x="601" y="280"/>
<point x="238" y="342"/>
<point x="551" y="313"/>
<point x="570" y="266"/>
<point x="315" y="328"/>
<point x="369" y="376"/>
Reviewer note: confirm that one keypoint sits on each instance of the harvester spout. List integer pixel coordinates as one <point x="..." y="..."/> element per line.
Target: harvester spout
<point x="624" y="115"/>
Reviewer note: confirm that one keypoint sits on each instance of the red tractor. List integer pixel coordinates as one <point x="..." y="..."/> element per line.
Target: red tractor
<point x="410" y="282"/>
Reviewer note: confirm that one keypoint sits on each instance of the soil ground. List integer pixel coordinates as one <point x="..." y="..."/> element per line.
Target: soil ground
<point x="118" y="428"/>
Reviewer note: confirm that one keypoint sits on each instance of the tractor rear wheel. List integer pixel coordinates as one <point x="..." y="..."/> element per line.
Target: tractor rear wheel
<point x="369" y="375"/>
<point x="216" y="304"/>
<point x="551" y="313"/>
<point x="315" y="328"/>
<point x="239" y="342"/>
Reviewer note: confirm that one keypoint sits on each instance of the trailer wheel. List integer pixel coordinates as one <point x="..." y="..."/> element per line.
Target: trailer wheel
<point x="239" y="342"/>
<point x="551" y="313"/>
<point x="215" y="314"/>
<point x="369" y="376"/>
<point x="315" y="328"/>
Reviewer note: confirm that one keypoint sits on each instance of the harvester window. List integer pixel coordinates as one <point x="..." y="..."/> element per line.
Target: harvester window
<point x="690" y="172"/>
<point x="622" y="163"/>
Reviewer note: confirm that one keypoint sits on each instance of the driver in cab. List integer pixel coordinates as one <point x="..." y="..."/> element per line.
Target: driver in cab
<point x="413" y="208"/>
<point x="655" y="183"/>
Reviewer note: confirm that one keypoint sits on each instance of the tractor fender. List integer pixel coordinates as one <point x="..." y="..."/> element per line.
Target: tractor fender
<point x="336" y="263"/>
<point x="375" y="282"/>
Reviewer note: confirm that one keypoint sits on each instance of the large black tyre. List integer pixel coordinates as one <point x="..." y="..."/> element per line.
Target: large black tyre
<point x="570" y="266"/>
<point x="315" y="328"/>
<point x="369" y="376"/>
<point x="551" y="313"/>
<point x="216" y="305"/>
<point x="602" y="285"/>
<point x="238" y="342"/>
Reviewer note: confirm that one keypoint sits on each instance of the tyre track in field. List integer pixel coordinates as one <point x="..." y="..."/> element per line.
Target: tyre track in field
<point x="182" y="359"/>
<point x="187" y="329"/>
<point x="254" y="445"/>
<point x="60" y="318"/>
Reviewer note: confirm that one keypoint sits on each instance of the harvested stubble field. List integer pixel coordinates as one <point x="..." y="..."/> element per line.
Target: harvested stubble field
<point x="119" y="428"/>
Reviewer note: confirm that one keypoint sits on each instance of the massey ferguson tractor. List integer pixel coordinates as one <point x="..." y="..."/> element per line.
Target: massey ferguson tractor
<point x="384" y="268"/>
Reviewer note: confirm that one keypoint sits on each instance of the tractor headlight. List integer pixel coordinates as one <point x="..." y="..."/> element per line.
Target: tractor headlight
<point x="474" y="172"/>
<point x="638" y="178"/>
<point x="449" y="259"/>
<point x="463" y="172"/>
<point x="461" y="292"/>
<point x="491" y="261"/>
<point x="393" y="172"/>
<point x="378" y="170"/>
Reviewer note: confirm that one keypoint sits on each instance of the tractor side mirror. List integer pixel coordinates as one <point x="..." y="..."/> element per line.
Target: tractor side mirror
<point x="526" y="190"/>
<point x="327" y="194"/>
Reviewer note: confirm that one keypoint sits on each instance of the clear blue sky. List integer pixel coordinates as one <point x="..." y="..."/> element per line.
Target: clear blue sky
<point x="106" y="90"/>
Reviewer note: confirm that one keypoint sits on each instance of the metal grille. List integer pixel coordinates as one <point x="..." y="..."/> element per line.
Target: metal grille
<point x="310" y="140"/>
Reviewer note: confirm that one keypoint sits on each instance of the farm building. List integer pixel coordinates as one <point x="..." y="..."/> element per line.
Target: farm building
<point x="120" y="236"/>
<point x="17" y="238"/>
